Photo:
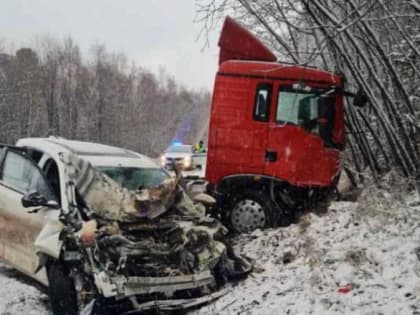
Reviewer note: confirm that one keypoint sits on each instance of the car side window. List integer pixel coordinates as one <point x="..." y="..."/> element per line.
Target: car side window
<point x="51" y="173"/>
<point x="262" y="102"/>
<point x="23" y="175"/>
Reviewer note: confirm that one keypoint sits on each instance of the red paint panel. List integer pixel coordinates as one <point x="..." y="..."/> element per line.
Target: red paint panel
<point x="302" y="159"/>
<point x="236" y="42"/>
<point x="236" y="142"/>
<point x="339" y="131"/>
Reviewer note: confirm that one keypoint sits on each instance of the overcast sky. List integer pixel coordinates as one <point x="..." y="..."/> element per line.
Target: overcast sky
<point x="152" y="33"/>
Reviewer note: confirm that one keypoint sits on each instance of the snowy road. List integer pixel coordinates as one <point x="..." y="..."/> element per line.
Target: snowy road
<point x="371" y="251"/>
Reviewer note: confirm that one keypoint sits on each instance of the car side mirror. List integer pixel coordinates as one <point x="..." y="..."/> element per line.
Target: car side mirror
<point x="35" y="199"/>
<point x="360" y="99"/>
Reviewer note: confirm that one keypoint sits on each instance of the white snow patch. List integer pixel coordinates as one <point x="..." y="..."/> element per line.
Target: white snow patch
<point x="371" y="248"/>
<point x="20" y="295"/>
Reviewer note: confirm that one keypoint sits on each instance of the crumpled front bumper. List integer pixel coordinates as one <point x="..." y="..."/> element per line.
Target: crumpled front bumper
<point x="122" y="287"/>
<point x="177" y="304"/>
<point x="130" y="288"/>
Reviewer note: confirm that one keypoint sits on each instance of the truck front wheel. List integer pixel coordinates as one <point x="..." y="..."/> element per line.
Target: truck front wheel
<point x="251" y="210"/>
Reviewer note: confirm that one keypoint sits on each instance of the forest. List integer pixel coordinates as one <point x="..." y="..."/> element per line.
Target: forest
<point x="51" y="89"/>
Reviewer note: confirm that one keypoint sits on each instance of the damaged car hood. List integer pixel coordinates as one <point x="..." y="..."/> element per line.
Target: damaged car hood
<point x="110" y="200"/>
<point x="153" y="244"/>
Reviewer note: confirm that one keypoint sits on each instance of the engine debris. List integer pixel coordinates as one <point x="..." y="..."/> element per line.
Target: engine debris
<point x="147" y="245"/>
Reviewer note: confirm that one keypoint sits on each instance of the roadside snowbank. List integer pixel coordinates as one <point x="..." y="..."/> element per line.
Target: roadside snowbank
<point x="20" y="295"/>
<point x="368" y="249"/>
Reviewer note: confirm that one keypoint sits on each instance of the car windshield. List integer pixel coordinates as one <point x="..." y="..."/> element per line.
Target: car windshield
<point x="134" y="178"/>
<point x="179" y="149"/>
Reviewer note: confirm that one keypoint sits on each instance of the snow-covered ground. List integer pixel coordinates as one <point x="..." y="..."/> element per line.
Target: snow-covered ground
<point x="19" y="295"/>
<point x="369" y="250"/>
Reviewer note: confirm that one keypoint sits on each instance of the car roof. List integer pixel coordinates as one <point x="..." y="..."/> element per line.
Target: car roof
<point x="96" y="153"/>
<point x="90" y="148"/>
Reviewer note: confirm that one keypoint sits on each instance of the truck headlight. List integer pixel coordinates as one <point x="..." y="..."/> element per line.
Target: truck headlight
<point x="163" y="159"/>
<point x="187" y="161"/>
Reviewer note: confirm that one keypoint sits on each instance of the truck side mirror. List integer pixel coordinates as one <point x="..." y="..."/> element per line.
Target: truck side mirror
<point x="360" y="99"/>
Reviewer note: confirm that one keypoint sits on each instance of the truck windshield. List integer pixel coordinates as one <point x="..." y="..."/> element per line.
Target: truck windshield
<point x="134" y="178"/>
<point x="314" y="110"/>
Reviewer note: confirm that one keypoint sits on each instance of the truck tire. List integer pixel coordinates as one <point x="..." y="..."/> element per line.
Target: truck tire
<point x="61" y="290"/>
<point x="252" y="210"/>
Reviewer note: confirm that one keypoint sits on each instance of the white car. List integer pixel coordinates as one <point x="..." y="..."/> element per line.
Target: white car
<point x="105" y="226"/>
<point x="193" y="164"/>
<point x="178" y="154"/>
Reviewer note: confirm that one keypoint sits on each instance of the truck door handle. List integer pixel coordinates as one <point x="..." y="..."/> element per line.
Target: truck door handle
<point x="270" y="156"/>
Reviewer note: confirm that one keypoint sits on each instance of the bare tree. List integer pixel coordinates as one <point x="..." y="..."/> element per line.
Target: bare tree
<point x="51" y="90"/>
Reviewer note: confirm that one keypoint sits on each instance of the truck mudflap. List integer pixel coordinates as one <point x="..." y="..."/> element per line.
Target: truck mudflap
<point x="175" y="304"/>
<point x="121" y="287"/>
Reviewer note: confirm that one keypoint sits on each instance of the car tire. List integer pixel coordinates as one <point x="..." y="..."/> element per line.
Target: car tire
<point x="61" y="290"/>
<point x="252" y="210"/>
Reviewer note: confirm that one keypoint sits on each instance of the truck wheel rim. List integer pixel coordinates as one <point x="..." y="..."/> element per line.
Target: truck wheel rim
<point x="247" y="215"/>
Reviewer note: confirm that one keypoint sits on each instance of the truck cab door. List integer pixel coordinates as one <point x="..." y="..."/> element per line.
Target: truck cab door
<point x="299" y="147"/>
<point x="259" y="129"/>
<point x="19" y="174"/>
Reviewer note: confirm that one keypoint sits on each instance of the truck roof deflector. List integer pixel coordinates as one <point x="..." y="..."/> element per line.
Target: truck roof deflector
<point x="238" y="43"/>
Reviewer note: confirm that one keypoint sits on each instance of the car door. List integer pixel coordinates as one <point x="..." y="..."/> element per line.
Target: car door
<point x="19" y="228"/>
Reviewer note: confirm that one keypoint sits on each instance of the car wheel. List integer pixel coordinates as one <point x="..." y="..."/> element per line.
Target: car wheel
<point x="61" y="290"/>
<point x="250" y="211"/>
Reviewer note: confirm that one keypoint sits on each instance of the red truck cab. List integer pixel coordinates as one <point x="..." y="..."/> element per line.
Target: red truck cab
<point x="275" y="136"/>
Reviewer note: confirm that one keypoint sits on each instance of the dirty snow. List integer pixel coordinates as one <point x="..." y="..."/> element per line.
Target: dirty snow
<point x="21" y="295"/>
<point x="368" y="250"/>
